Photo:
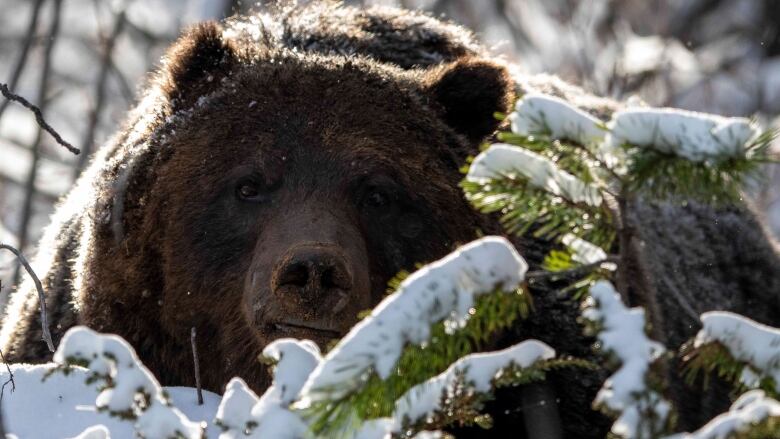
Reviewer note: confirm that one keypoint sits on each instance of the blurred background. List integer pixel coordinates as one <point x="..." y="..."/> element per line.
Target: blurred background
<point x="83" y="61"/>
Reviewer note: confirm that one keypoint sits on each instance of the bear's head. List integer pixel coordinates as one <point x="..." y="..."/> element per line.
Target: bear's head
<point x="280" y="191"/>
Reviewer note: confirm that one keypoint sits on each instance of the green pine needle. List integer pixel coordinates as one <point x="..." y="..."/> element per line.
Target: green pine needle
<point x="714" y="358"/>
<point x="492" y="313"/>
<point x="526" y="210"/>
<point x="720" y="180"/>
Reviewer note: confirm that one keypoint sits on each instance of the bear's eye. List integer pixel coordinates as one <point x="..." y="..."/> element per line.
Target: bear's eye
<point x="247" y="190"/>
<point x="376" y="198"/>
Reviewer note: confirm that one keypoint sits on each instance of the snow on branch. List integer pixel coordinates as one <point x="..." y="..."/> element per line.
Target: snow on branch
<point x="442" y="291"/>
<point x="642" y="411"/>
<point x="585" y="252"/>
<point x="538" y="113"/>
<point x="243" y="414"/>
<point x="697" y="137"/>
<point x="502" y="159"/>
<point x="477" y="371"/>
<point x="471" y="375"/>
<point x="95" y="432"/>
<point x="747" y="341"/>
<point x="748" y="412"/>
<point x="128" y="389"/>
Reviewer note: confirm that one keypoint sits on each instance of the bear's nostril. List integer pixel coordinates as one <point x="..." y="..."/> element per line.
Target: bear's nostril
<point x="335" y="277"/>
<point x="296" y="274"/>
<point x="312" y="270"/>
<point x="326" y="280"/>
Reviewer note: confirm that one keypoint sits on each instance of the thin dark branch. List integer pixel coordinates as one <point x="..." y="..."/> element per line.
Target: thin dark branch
<point x="41" y="296"/>
<point x="49" y="196"/>
<point x="100" y="90"/>
<point x="128" y="93"/>
<point x="32" y="26"/>
<point x="535" y="276"/>
<point x="194" y="343"/>
<point x="38" y="117"/>
<point x="9" y="380"/>
<point x="43" y="87"/>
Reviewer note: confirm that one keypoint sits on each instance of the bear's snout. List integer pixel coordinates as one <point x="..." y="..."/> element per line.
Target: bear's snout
<point x="313" y="271"/>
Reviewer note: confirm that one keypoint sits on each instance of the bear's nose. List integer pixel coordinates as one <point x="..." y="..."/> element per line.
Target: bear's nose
<point x="312" y="271"/>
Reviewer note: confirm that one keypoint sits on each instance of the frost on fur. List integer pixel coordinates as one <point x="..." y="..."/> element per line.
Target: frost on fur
<point x="642" y="412"/>
<point x="128" y="389"/>
<point x="442" y="291"/>
<point x="502" y="159"/>
<point x="243" y="414"/>
<point x="749" y="412"/>
<point x="750" y="342"/>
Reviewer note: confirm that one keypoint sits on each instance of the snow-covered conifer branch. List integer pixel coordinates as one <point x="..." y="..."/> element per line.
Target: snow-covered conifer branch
<point x="540" y="114"/>
<point x="503" y="160"/>
<point x="128" y="390"/>
<point x="752" y="350"/>
<point x="476" y="371"/>
<point x="753" y="415"/>
<point x="585" y="252"/>
<point x="243" y="414"/>
<point x="442" y="291"/>
<point x="697" y="137"/>
<point x="438" y="401"/>
<point x="641" y="411"/>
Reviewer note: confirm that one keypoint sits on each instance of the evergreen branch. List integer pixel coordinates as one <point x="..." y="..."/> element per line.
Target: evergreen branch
<point x="577" y="159"/>
<point x="525" y="209"/>
<point x="536" y="276"/>
<point x="664" y="175"/>
<point x="462" y="406"/>
<point x="768" y="428"/>
<point x="714" y="358"/>
<point x="492" y="313"/>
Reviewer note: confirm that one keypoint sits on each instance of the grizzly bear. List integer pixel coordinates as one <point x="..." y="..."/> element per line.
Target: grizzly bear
<point x="278" y="171"/>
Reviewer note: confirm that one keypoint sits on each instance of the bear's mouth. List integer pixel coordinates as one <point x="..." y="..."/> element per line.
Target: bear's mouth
<point x="321" y="329"/>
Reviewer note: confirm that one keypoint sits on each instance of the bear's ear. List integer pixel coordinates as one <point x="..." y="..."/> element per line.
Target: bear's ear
<point x="196" y="64"/>
<point x="469" y="92"/>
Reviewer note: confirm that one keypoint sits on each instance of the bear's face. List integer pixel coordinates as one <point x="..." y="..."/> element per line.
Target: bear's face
<point x="299" y="197"/>
<point x="288" y="190"/>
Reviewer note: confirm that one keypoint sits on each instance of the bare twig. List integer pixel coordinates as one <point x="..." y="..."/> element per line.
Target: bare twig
<point x="197" y="365"/>
<point x="36" y="147"/>
<point x="38" y="117"/>
<point x="128" y="93"/>
<point x="26" y="45"/>
<point x="100" y="89"/>
<point x="9" y="380"/>
<point x="41" y="296"/>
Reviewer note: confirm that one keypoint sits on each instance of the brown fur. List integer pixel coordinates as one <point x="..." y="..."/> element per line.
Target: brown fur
<point x="160" y="244"/>
<point x="322" y="106"/>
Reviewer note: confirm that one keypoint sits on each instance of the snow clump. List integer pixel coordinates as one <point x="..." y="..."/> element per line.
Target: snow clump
<point x="129" y="389"/>
<point x="442" y="291"/>
<point x="746" y="340"/>
<point x="242" y="414"/>
<point x="502" y="159"/>
<point x="622" y="332"/>
<point x="750" y="409"/>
